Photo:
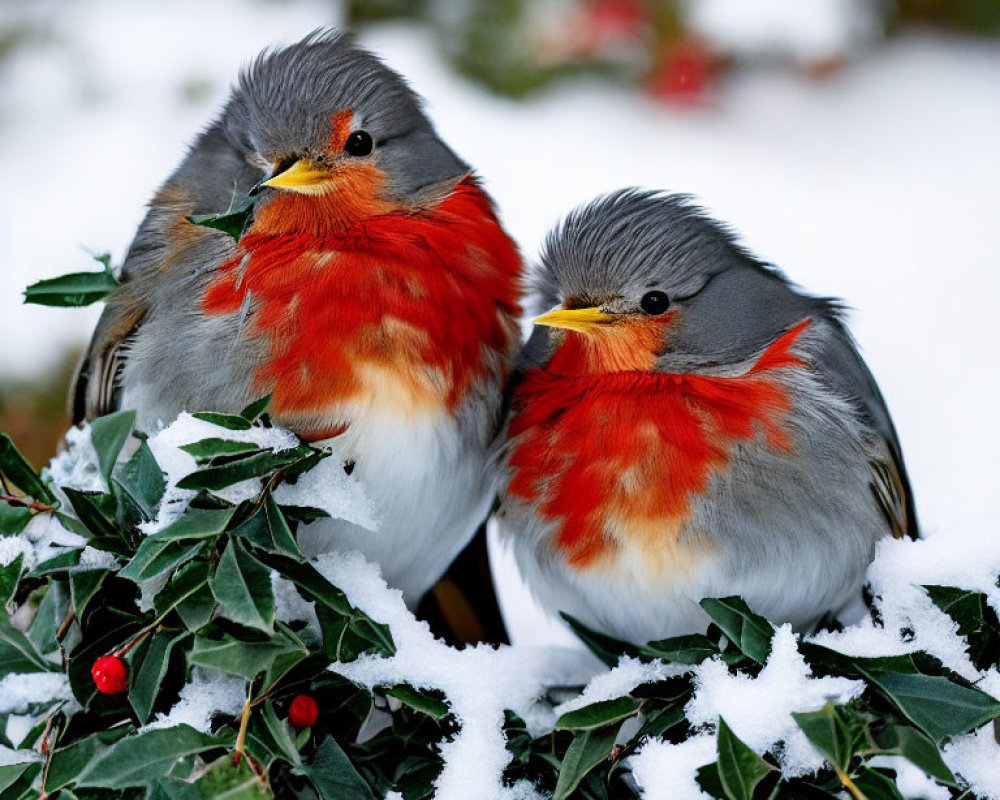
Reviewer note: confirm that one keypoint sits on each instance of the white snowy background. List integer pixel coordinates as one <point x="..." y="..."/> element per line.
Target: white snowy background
<point x="879" y="185"/>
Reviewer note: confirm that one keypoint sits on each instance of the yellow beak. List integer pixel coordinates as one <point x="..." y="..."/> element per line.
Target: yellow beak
<point x="305" y="177"/>
<point x="583" y="320"/>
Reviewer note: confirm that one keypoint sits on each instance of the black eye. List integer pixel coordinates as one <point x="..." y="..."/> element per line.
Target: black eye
<point x="654" y="303"/>
<point x="359" y="143"/>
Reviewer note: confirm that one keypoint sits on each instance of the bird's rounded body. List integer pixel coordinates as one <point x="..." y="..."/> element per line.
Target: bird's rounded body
<point x="373" y="295"/>
<point x="646" y="470"/>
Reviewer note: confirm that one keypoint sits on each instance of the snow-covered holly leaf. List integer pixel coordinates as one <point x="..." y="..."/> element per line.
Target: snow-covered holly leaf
<point x="234" y="221"/>
<point x="588" y="749"/>
<point x="829" y="734"/>
<point x="749" y="632"/>
<point x="108" y="434"/>
<point x="16" y="469"/>
<point x="938" y="706"/>
<point x="598" y="715"/>
<point x="740" y="768"/>
<point x="75" y="289"/>
<point x="136" y="760"/>
<point x="242" y="587"/>
<point x="334" y="776"/>
<point x="61" y="562"/>
<point x="976" y="620"/>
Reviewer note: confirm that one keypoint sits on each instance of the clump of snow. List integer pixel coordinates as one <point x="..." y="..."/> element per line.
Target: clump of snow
<point x="759" y="709"/>
<point x="975" y="757"/>
<point x="13" y="546"/>
<point x="207" y="694"/>
<point x="479" y="682"/>
<point x="666" y="771"/>
<point x="18" y="690"/>
<point x="910" y="620"/>
<point x="48" y="537"/>
<point x="329" y="488"/>
<point x="8" y="756"/>
<point x="76" y="466"/>
<point x="619" y="681"/>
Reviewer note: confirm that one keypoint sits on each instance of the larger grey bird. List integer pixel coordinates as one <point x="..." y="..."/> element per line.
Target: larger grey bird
<point x="689" y="424"/>
<point x="373" y="294"/>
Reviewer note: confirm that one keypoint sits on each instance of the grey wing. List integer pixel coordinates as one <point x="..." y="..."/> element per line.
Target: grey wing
<point x="850" y="377"/>
<point x="213" y="173"/>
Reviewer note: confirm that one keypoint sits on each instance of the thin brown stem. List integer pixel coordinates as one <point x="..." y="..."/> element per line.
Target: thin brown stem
<point x="34" y="505"/>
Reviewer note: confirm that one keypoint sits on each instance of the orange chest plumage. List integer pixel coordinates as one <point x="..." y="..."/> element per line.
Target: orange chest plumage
<point x="603" y="454"/>
<point x="404" y="303"/>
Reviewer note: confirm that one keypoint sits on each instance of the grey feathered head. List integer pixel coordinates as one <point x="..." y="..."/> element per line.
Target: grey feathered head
<point x="635" y="255"/>
<point x="288" y="103"/>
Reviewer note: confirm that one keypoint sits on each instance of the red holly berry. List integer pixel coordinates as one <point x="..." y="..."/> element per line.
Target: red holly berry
<point x="110" y="674"/>
<point x="303" y="711"/>
<point x="684" y="73"/>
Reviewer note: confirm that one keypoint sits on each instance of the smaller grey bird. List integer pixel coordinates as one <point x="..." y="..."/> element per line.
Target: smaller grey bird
<point x="688" y="424"/>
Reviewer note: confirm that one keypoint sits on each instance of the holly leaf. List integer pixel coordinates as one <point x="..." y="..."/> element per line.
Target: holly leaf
<point x="598" y="715"/>
<point x="10" y="575"/>
<point x="75" y="289"/>
<point x="155" y="557"/>
<point x="207" y="449"/>
<point x="18" y="471"/>
<point x="829" y="734"/>
<point x="246" y="659"/>
<point x="875" y="785"/>
<point x="148" y="678"/>
<point x="424" y="702"/>
<point x="936" y="705"/>
<point x="136" y="760"/>
<point x="256" y="408"/>
<point x="242" y="587"/>
<point x="740" y="768"/>
<point x="233" y="221"/>
<point x="691" y="649"/>
<point x="229" y="421"/>
<point x="334" y="776"/>
<point x="588" y="749"/>
<point x="108" y="434"/>
<point x="749" y="632"/>
<point x="13" y="519"/>
<point x="141" y="481"/>
<point x="196" y="523"/>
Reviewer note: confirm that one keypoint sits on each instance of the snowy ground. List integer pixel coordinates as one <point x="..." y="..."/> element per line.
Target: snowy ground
<point x="880" y="186"/>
